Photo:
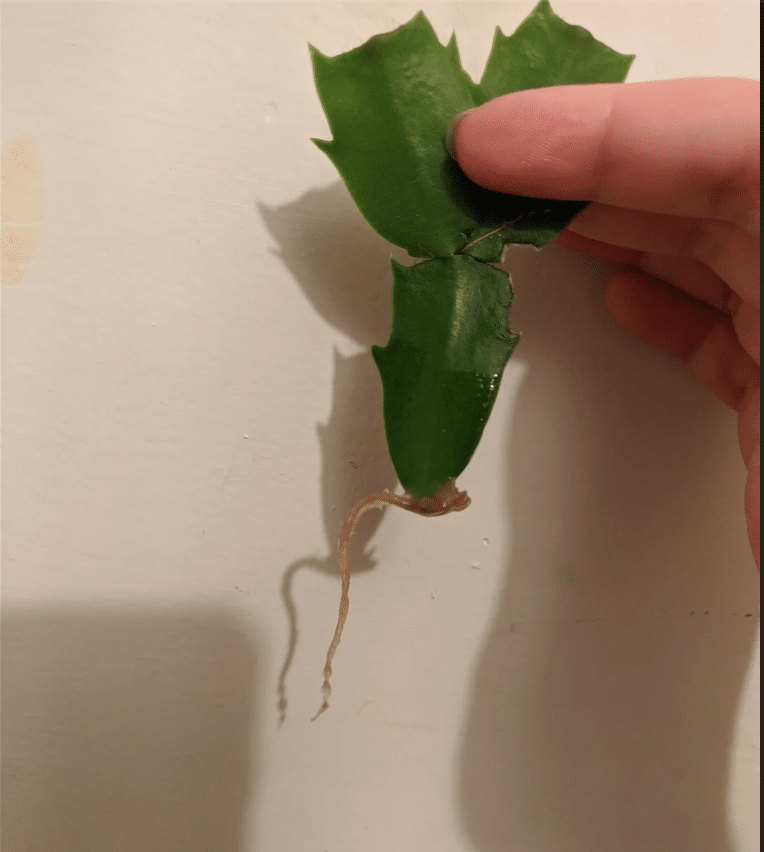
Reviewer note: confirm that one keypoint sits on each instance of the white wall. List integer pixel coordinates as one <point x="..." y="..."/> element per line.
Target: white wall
<point x="190" y="407"/>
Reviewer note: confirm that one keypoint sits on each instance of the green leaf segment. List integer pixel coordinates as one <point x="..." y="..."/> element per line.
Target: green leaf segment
<point x="442" y="365"/>
<point x="388" y="104"/>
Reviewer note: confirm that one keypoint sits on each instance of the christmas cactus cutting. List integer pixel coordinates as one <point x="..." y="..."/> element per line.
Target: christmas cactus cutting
<point x="388" y="104"/>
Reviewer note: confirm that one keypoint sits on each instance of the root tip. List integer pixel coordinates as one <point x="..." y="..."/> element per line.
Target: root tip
<point x="321" y="710"/>
<point x="327" y="691"/>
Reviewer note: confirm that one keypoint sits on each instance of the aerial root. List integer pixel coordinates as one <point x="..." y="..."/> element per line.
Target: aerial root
<point x="447" y="499"/>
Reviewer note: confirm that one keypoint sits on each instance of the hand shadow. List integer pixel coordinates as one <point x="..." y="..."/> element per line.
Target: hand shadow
<point x="344" y="269"/>
<point x="127" y="729"/>
<point x="604" y="701"/>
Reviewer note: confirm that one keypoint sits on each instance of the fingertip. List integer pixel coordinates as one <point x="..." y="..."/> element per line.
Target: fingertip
<point x="451" y="132"/>
<point x="646" y="146"/>
<point x="658" y="313"/>
<point x="534" y="142"/>
<point x="636" y="304"/>
<point x="700" y="336"/>
<point x="753" y="504"/>
<point x="749" y="424"/>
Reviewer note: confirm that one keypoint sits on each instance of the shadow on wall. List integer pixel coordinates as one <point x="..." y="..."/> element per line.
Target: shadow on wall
<point x="343" y="267"/>
<point x="126" y="731"/>
<point x="603" y="704"/>
<point x="604" y="701"/>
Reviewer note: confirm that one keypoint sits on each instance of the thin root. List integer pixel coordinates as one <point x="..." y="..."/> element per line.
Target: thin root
<point x="446" y="500"/>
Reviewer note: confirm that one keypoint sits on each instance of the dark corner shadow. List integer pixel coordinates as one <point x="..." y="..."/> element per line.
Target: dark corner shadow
<point x="604" y="700"/>
<point x="126" y="730"/>
<point x="343" y="267"/>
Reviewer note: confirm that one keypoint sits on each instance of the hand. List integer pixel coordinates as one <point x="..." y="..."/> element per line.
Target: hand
<point x="672" y="169"/>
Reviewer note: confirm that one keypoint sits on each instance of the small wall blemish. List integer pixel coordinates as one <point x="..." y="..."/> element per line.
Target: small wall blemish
<point x="22" y="210"/>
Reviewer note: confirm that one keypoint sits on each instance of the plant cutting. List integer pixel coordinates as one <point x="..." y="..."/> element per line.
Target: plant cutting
<point x="388" y="104"/>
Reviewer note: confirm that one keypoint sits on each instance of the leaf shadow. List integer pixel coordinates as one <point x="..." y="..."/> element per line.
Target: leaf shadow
<point x="604" y="699"/>
<point x="341" y="264"/>
<point x="343" y="267"/>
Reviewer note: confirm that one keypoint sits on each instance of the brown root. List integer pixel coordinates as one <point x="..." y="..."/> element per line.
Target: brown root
<point x="447" y="499"/>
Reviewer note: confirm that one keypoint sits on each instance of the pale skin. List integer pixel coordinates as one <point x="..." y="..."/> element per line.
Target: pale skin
<point x="672" y="169"/>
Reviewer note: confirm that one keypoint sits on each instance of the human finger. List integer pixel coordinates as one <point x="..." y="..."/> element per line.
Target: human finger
<point x="746" y="319"/>
<point x="749" y="430"/>
<point x="753" y="504"/>
<point x="690" y="276"/>
<point x="569" y="239"/>
<point x="686" y="147"/>
<point x="724" y="248"/>
<point x="687" y="329"/>
<point x="749" y="427"/>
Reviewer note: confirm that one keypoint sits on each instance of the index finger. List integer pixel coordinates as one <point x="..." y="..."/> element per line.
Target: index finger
<point x="685" y="147"/>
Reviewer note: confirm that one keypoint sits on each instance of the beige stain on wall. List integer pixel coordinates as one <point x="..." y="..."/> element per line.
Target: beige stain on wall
<point x="21" y="208"/>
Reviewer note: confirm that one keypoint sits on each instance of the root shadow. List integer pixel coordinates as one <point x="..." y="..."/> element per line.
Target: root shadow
<point x="343" y="267"/>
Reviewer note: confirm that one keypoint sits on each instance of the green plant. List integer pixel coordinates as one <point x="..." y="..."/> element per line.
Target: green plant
<point x="388" y="104"/>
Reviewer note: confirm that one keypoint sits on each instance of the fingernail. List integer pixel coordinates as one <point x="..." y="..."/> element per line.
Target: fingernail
<point x="451" y="132"/>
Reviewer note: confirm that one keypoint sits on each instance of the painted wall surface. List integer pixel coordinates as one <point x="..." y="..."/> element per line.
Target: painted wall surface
<point x="190" y="407"/>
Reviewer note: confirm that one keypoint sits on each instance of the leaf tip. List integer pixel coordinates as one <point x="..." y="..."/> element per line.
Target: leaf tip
<point x="379" y="353"/>
<point x="422" y="22"/>
<point x="315" y="53"/>
<point x="324" y="145"/>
